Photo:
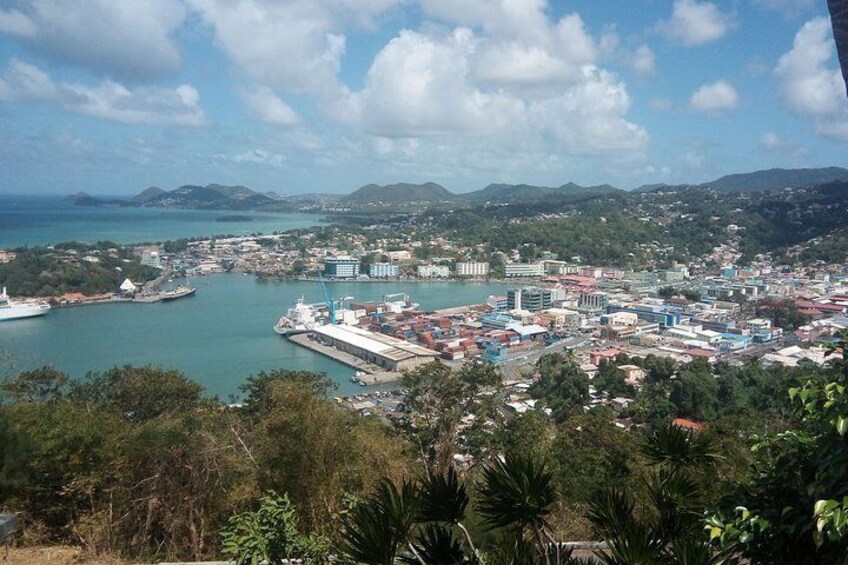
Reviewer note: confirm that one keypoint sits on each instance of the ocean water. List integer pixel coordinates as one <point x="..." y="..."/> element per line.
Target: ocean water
<point x="217" y="337"/>
<point x="40" y="220"/>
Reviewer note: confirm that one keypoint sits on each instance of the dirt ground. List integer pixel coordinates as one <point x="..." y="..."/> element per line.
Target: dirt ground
<point x="52" y="555"/>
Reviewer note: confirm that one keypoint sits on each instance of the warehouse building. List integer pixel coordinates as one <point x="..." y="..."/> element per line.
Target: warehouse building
<point x="378" y="349"/>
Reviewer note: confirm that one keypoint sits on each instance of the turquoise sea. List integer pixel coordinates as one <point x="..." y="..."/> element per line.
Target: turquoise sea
<point x="217" y="337"/>
<point x="40" y="220"/>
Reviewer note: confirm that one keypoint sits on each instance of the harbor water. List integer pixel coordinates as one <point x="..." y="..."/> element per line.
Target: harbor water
<point x="217" y="337"/>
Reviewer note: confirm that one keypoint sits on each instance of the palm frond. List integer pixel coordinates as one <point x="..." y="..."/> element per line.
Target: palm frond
<point x="443" y="498"/>
<point x="517" y="491"/>
<point x="437" y="545"/>
<point x="675" y="446"/>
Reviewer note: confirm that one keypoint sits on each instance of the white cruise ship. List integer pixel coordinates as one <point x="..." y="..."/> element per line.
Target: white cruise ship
<point x="15" y="310"/>
<point x="300" y="318"/>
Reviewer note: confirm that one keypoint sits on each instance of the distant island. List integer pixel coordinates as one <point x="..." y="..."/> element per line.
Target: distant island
<point x="407" y="197"/>
<point x="234" y="218"/>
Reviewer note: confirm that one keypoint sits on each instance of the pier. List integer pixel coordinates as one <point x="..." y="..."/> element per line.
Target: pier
<point x="373" y="375"/>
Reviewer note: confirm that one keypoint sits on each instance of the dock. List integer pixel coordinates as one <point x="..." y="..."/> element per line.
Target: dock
<point x="373" y="375"/>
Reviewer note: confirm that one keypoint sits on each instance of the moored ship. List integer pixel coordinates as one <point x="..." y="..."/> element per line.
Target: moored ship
<point x="16" y="310"/>
<point x="300" y="318"/>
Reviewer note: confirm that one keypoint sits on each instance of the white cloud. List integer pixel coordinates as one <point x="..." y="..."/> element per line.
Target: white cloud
<point x="773" y="143"/>
<point x="661" y="104"/>
<point x="126" y="39"/>
<point x="643" y="60"/>
<point x="714" y="97"/>
<point x="109" y="100"/>
<point x="808" y="85"/>
<point x="261" y="157"/>
<point x="695" y="23"/>
<point x="423" y="85"/>
<point x="296" y="45"/>
<point x="268" y="107"/>
<point x="17" y="23"/>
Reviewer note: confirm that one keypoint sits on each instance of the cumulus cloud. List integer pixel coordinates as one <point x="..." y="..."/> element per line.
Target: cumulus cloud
<point x="714" y="97"/>
<point x="268" y="107"/>
<point x="261" y="157"/>
<point x="109" y="100"/>
<point x="426" y="85"/>
<point x="695" y="23"/>
<point x="124" y="39"/>
<point x="296" y="45"/>
<point x="808" y="85"/>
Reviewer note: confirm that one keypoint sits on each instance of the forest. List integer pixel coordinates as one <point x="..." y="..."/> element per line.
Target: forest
<point x="137" y="463"/>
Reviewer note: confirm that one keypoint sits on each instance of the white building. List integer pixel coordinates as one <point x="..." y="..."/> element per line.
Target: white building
<point x="433" y="271"/>
<point x="525" y="269"/>
<point x="400" y="255"/>
<point x="383" y="271"/>
<point x="472" y="269"/>
<point x="342" y="267"/>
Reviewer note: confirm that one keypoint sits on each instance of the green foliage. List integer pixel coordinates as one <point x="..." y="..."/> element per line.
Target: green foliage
<point x="139" y="394"/>
<point x="794" y="508"/>
<point x="439" y="399"/>
<point x="41" y="271"/>
<point x="610" y="380"/>
<point x="562" y="385"/>
<point x="38" y="385"/>
<point x="270" y="534"/>
<point x="517" y="492"/>
<point x="695" y="393"/>
<point x="377" y="528"/>
<point x="669" y="527"/>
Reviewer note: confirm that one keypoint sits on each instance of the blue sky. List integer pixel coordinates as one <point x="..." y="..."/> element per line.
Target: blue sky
<point x="327" y="95"/>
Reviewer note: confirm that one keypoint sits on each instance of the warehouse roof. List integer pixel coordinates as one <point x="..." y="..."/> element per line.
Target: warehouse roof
<point x="378" y="344"/>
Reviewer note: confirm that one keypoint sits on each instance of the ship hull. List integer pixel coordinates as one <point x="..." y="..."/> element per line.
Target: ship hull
<point x="21" y="312"/>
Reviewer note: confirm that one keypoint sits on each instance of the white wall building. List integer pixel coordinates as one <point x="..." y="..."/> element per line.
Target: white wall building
<point x="525" y="269"/>
<point x="433" y="271"/>
<point x="472" y="269"/>
<point x="383" y="271"/>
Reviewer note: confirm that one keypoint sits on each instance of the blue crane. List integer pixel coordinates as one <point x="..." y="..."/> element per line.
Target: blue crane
<point x="331" y="307"/>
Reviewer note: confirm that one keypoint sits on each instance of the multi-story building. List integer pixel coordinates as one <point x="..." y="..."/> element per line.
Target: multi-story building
<point x="342" y="267"/>
<point x="433" y="271"/>
<point x="383" y="271"/>
<point x="472" y="269"/>
<point x="531" y="299"/>
<point x="592" y="301"/>
<point x="524" y="269"/>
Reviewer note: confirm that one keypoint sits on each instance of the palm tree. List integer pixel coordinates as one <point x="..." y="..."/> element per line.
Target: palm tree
<point x="670" y="529"/>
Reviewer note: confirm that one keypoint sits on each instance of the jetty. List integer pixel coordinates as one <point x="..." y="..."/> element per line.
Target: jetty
<point x="373" y="375"/>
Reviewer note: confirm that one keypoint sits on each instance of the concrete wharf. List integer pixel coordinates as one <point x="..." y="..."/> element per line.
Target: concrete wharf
<point x="373" y="375"/>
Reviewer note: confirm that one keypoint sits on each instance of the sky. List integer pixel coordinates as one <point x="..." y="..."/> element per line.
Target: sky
<point x="294" y="96"/>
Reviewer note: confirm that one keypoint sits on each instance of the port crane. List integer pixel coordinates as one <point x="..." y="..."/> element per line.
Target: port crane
<point x="331" y="307"/>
